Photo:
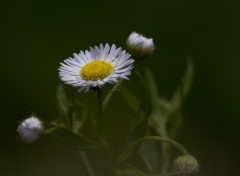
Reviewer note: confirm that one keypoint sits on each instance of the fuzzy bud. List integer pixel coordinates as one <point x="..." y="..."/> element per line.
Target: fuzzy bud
<point x="185" y="164"/>
<point x="30" y="129"/>
<point x="140" y="46"/>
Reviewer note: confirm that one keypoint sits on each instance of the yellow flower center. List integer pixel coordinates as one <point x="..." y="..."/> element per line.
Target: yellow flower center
<point x="96" y="70"/>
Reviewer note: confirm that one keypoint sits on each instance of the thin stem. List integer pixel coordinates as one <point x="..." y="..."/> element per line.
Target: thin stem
<point x="166" y="148"/>
<point x="109" y="95"/>
<point x="86" y="163"/>
<point x="136" y="145"/>
<point x="100" y="111"/>
<point x="176" y="144"/>
<point x="100" y="128"/>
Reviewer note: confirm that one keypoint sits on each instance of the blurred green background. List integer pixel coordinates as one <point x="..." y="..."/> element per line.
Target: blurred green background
<point x="37" y="35"/>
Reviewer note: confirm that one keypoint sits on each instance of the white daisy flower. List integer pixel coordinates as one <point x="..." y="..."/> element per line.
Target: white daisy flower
<point x="139" y="45"/>
<point x="94" y="68"/>
<point x="30" y="129"/>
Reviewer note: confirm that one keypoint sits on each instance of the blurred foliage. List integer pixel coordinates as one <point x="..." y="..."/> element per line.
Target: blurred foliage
<point x="37" y="35"/>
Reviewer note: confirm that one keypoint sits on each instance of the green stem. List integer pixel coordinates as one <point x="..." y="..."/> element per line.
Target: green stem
<point x="86" y="163"/>
<point x="100" y="112"/>
<point x="100" y="128"/>
<point x="136" y="145"/>
<point x="166" y="148"/>
<point x="176" y="144"/>
<point x="109" y="95"/>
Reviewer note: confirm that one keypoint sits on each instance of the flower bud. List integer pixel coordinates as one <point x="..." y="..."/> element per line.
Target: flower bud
<point x="30" y="129"/>
<point x="140" y="46"/>
<point x="185" y="164"/>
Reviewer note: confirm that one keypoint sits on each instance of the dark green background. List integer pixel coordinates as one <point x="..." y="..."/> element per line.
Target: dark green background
<point x="36" y="35"/>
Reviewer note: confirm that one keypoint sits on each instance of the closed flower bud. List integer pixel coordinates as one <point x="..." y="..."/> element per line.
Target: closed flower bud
<point x="185" y="164"/>
<point x="30" y="129"/>
<point x="140" y="46"/>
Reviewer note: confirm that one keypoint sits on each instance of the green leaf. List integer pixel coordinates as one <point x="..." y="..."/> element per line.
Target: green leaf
<point x="159" y="104"/>
<point x="81" y="114"/>
<point x="178" y="99"/>
<point x="72" y="112"/>
<point x="143" y="111"/>
<point x="72" y="140"/>
<point x="63" y="106"/>
<point x="62" y="101"/>
<point x="180" y="94"/>
<point x="143" y="114"/>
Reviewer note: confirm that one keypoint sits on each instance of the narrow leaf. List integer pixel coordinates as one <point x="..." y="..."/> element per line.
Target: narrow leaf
<point x="178" y="99"/>
<point x="72" y="140"/>
<point x="184" y="86"/>
<point x="62" y="101"/>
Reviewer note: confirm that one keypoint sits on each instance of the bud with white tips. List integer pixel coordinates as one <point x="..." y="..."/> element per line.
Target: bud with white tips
<point x="185" y="164"/>
<point x="30" y="129"/>
<point x="140" y="46"/>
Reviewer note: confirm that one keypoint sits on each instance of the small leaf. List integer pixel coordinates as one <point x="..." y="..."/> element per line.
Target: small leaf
<point x="62" y="101"/>
<point x="184" y="86"/>
<point x="72" y="140"/>
<point x="81" y="111"/>
<point x="178" y="99"/>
